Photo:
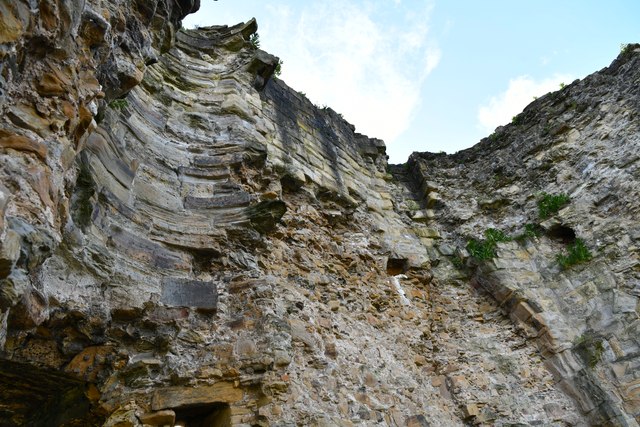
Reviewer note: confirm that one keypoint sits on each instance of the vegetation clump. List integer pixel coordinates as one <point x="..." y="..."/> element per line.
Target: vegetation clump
<point x="119" y="104"/>
<point x="517" y="120"/>
<point x="577" y="253"/>
<point x="551" y="203"/>
<point x="590" y="349"/>
<point x="254" y="39"/>
<point x="486" y="249"/>
<point x="530" y="231"/>
<point x="278" y="69"/>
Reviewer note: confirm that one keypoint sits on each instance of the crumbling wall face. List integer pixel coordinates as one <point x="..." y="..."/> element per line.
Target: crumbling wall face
<point x="581" y="142"/>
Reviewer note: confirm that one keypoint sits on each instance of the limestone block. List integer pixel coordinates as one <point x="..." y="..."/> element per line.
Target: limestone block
<point x="158" y="418"/>
<point x="26" y="116"/>
<point x="189" y="293"/>
<point x="522" y="312"/>
<point x="13" y="286"/>
<point x="624" y="303"/>
<point x="563" y="364"/>
<point x="124" y="416"/>
<point x="9" y="251"/>
<point x="471" y="410"/>
<point x="417" y="421"/>
<point x="631" y="396"/>
<point x="434" y="200"/>
<point x="429" y="233"/>
<point x="176" y="397"/>
<point x="22" y="143"/>
<point x="234" y="104"/>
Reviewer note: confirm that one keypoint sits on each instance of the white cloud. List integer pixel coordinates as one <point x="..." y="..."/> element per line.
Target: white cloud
<point x="521" y="91"/>
<point x="350" y="56"/>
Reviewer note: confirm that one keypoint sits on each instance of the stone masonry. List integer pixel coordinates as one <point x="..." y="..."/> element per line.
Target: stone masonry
<point x="186" y="240"/>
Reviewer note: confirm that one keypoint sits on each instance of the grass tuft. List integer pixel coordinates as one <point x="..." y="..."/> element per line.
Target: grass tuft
<point x="577" y="253"/>
<point x="549" y="204"/>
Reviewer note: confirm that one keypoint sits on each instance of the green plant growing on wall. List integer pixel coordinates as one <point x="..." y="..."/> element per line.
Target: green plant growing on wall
<point x="278" y="69"/>
<point x="530" y="231"/>
<point x="412" y="205"/>
<point x="486" y="249"/>
<point x="480" y="249"/>
<point x="562" y="85"/>
<point x="457" y="262"/>
<point x="577" y="253"/>
<point x="551" y="203"/>
<point x="495" y="236"/>
<point x="625" y="48"/>
<point x="590" y="349"/>
<point x="254" y="39"/>
<point x="118" y="104"/>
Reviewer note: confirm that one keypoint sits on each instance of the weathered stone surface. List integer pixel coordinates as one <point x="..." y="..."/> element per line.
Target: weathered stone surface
<point x="22" y="143"/>
<point x="151" y="177"/>
<point x="564" y="142"/>
<point x="177" y="397"/>
<point x="189" y="293"/>
<point x="158" y="418"/>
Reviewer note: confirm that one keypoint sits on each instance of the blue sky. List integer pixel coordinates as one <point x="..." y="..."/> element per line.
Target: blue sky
<point x="432" y="75"/>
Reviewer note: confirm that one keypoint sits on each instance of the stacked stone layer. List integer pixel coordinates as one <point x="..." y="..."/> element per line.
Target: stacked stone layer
<point x="213" y="249"/>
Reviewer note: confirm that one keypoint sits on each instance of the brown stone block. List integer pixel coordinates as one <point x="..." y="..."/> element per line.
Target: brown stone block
<point x="438" y="381"/>
<point x="31" y="311"/>
<point x="631" y="394"/>
<point x="159" y="418"/>
<point x="88" y="362"/>
<point x="85" y="119"/>
<point x="471" y="410"/>
<point x="48" y="15"/>
<point x="417" y="421"/>
<point x="539" y="322"/>
<point x="12" y="24"/>
<point x="40" y="180"/>
<point x="22" y="143"/>
<point x="547" y="342"/>
<point x="50" y="85"/>
<point x="88" y="83"/>
<point x="522" y="312"/>
<point x="26" y="116"/>
<point x="176" y="397"/>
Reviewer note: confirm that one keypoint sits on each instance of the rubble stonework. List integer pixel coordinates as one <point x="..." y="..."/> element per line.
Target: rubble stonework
<point x="185" y="239"/>
<point x="582" y="141"/>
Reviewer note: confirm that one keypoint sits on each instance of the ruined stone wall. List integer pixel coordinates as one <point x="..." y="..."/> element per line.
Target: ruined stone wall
<point x="61" y="63"/>
<point x="582" y="141"/>
<point x="214" y="249"/>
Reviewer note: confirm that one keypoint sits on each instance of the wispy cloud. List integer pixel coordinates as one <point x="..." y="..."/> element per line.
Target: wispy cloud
<point x="354" y="57"/>
<point x="501" y="108"/>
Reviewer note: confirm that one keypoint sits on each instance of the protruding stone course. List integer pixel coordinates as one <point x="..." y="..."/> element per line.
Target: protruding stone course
<point x="178" y="397"/>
